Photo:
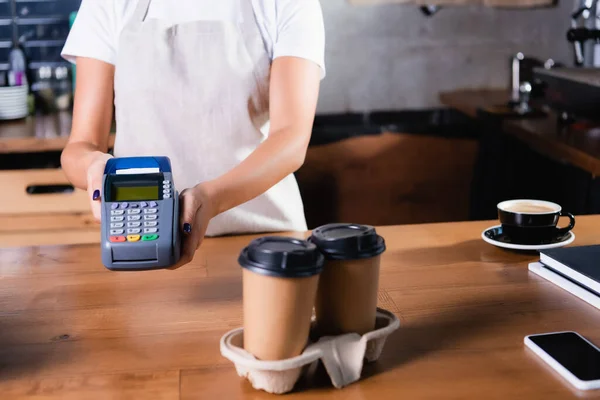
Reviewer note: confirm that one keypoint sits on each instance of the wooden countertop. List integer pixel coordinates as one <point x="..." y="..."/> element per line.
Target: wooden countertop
<point x="545" y="135"/>
<point x="69" y="329"/>
<point x="581" y="149"/>
<point x="469" y="101"/>
<point x="37" y="133"/>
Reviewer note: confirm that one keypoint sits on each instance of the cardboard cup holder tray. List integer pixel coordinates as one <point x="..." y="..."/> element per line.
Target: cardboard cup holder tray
<point x="343" y="357"/>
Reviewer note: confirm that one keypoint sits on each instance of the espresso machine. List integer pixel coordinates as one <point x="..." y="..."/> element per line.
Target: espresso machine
<point x="524" y="88"/>
<point x="574" y="93"/>
<point x="584" y="34"/>
<point x="571" y="92"/>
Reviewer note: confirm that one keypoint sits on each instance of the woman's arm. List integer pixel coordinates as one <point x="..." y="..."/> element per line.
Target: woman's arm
<point x="293" y="102"/>
<point x="84" y="157"/>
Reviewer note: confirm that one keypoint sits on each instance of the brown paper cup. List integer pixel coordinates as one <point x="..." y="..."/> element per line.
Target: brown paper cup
<point x="277" y="315"/>
<point x="347" y="296"/>
<point x="349" y="284"/>
<point x="281" y="276"/>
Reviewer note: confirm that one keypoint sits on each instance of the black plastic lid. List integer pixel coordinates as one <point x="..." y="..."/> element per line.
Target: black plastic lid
<point x="348" y="241"/>
<point x="282" y="257"/>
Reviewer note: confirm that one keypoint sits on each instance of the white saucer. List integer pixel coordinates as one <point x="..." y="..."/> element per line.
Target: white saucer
<point x="485" y="235"/>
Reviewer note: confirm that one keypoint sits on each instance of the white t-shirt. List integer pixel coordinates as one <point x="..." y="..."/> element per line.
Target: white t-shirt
<point x="289" y="27"/>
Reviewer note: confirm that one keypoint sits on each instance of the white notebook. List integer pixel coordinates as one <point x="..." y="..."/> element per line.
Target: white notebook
<point x="571" y="287"/>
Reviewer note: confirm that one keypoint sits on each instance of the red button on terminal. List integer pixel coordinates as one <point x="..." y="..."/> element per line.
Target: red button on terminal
<point x="118" y="239"/>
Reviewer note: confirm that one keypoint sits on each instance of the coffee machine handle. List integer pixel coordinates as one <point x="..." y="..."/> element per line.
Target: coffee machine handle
<point x="515" y="88"/>
<point x="578" y="49"/>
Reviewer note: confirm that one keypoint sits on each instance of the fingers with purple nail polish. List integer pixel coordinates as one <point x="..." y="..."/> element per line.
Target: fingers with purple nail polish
<point x="187" y="228"/>
<point x="96" y="195"/>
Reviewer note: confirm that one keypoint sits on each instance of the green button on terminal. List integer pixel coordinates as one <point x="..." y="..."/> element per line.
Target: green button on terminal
<point x="149" y="238"/>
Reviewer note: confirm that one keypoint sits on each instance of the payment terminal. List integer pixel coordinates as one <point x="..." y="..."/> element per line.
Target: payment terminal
<point x="140" y="215"/>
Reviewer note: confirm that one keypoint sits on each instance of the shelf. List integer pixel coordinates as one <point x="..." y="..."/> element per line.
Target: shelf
<point x="48" y="17"/>
<point x="52" y="64"/>
<point x="39" y="64"/>
<point x="57" y="19"/>
<point x="45" y="43"/>
<point x="7" y="44"/>
<point x="29" y="1"/>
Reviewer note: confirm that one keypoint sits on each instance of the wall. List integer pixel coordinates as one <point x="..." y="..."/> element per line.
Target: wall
<point x="394" y="57"/>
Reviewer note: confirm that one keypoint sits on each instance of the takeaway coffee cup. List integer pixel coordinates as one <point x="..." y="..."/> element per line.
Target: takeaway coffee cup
<point x="348" y="287"/>
<point x="533" y="221"/>
<point x="281" y="277"/>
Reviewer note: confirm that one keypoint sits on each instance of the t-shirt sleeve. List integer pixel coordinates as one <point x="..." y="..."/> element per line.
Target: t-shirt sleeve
<point x="300" y="31"/>
<point x="94" y="32"/>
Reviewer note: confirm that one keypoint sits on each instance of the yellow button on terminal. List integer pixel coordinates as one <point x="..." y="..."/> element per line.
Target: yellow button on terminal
<point x="133" y="238"/>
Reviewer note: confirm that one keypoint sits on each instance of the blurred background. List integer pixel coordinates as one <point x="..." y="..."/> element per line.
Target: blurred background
<point x="429" y="113"/>
<point x="42" y="26"/>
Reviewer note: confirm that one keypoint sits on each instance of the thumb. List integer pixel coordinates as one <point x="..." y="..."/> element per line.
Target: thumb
<point x="189" y="208"/>
<point x="95" y="194"/>
<point x="95" y="174"/>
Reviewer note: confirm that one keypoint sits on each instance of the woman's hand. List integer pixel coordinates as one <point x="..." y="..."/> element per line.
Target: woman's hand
<point x="198" y="207"/>
<point x="95" y="173"/>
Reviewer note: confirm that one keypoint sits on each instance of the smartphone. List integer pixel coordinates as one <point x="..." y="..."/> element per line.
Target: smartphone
<point x="571" y="355"/>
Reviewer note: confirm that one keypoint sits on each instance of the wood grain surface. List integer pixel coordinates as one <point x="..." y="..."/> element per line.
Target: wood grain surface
<point x="38" y="133"/>
<point x="561" y="143"/>
<point x="69" y="329"/>
<point x="576" y="145"/>
<point x="388" y="179"/>
<point x="16" y="199"/>
<point x="469" y="101"/>
<point x="43" y="219"/>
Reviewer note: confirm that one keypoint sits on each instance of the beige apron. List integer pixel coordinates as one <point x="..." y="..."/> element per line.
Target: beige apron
<point x="198" y="93"/>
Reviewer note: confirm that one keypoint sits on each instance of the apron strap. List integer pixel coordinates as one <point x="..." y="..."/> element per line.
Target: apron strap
<point x="139" y="15"/>
<point x="249" y="22"/>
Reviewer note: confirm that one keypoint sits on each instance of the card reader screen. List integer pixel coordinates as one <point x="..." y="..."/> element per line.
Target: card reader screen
<point x="135" y="193"/>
